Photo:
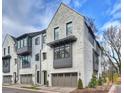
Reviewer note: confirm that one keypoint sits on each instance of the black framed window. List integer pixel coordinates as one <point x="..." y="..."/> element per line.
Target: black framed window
<point x="6" y="65"/>
<point x="56" y="33"/>
<point x="8" y="49"/>
<point x="95" y="61"/>
<point x="69" y="28"/>
<point x="25" y="61"/>
<point x="44" y="39"/>
<point x="62" y="51"/>
<point x="22" y="43"/>
<point x="91" y="39"/>
<point x="67" y="51"/>
<point x="37" y="57"/>
<point x="15" y="61"/>
<point x="37" y="41"/>
<point x="4" y="51"/>
<point x="44" y="56"/>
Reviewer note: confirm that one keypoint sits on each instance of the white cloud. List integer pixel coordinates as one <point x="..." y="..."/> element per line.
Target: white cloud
<point x="78" y="3"/>
<point x="21" y="16"/>
<point x="116" y="8"/>
<point x="14" y="28"/>
<point x="66" y="1"/>
<point x="114" y="11"/>
<point x="110" y="23"/>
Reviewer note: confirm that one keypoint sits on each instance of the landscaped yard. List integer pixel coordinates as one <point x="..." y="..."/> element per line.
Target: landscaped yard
<point x="89" y="90"/>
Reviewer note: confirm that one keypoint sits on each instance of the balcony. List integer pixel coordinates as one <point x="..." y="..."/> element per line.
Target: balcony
<point x="24" y="50"/>
<point x="66" y="40"/>
<point x="6" y="57"/>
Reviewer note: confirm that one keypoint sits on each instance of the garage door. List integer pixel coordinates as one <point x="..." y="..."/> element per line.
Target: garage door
<point x="26" y="79"/>
<point x="64" y="79"/>
<point x="7" y="79"/>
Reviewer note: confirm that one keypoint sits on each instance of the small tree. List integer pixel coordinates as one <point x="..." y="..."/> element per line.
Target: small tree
<point x="80" y="84"/>
<point x="93" y="82"/>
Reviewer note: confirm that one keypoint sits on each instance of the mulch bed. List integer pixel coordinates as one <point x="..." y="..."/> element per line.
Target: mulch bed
<point x="92" y="90"/>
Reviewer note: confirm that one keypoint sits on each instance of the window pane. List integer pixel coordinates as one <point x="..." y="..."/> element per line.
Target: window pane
<point x="69" y="28"/>
<point x="8" y="49"/>
<point x="21" y="43"/>
<point x="67" y="51"/>
<point x="4" y="51"/>
<point x="37" y="41"/>
<point x="18" y="46"/>
<point x="62" y="52"/>
<point x="90" y="37"/>
<point x="56" y="33"/>
<point x="25" y="42"/>
<point x="37" y="57"/>
<point x="44" y="56"/>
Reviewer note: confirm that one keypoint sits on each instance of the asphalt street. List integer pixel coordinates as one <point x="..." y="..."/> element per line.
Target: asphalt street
<point x="12" y="90"/>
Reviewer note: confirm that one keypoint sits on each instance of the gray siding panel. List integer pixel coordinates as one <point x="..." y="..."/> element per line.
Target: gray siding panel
<point x="62" y="63"/>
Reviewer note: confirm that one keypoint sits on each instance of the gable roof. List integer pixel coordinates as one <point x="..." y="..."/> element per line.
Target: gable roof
<point x="85" y="21"/>
<point x="66" y="7"/>
<point x="13" y="38"/>
<point x="32" y="34"/>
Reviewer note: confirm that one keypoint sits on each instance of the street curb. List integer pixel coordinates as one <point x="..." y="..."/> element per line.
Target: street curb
<point x="30" y="89"/>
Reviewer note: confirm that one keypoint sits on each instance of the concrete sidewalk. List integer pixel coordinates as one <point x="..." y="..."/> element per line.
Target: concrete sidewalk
<point x="41" y="88"/>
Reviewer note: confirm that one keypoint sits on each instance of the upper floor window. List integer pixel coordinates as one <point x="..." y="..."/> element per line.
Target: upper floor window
<point x="95" y="61"/>
<point x="15" y="61"/>
<point x="91" y="39"/>
<point x="22" y="43"/>
<point x="44" y="56"/>
<point x="62" y="51"/>
<point x="37" y="41"/>
<point x="4" y="51"/>
<point x="69" y="28"/>
<point x="37" y="57"/>
<point x="44" y="39"/>
<point x="25" y="61"/>
<point x="25" y="42"/>
<point x="18" y="44"/>
<point x="56" y="33"/>
<point x="8" y="49"/>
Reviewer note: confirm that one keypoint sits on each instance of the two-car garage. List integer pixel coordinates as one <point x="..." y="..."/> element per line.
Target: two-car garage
<point x="64" y="79"/>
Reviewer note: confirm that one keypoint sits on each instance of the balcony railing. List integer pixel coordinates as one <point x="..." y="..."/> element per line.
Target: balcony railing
<point x="24" y="50"/>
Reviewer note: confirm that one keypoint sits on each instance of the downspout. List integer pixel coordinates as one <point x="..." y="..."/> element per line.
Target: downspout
<point x="40" y="57"/>
<point x="40" y="66"/>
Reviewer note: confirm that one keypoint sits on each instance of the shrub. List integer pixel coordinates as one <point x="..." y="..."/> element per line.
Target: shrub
<point x="80" y="84"/>
<point x="93" y="82"/>
<point x="100" y="81"/>
<point x="47" y="83"/>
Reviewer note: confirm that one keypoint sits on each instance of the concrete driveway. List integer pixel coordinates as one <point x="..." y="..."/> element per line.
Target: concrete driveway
<point x="115" y="89"/>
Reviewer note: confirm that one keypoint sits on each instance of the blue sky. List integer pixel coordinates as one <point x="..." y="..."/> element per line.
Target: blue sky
<point x="20" y="16"/>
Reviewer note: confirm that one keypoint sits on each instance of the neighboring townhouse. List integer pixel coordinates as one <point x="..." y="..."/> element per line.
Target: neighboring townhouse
<point x="66" y="51"/>
<point x="29" y="47"/>
<point x="9" y="57"/>
<point x="73" y="51"/>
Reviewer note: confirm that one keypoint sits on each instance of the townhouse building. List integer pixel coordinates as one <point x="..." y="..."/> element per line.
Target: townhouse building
<point x="29" y="50"/>
<point x="9" y="57"/>
<point x="59" y="55"/>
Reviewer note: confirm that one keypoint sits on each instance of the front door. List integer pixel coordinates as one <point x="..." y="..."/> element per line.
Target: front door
<point x="14" y="74"/>
<point x="38" y="76"/>
<point x="45" y="77"/>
